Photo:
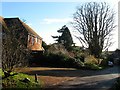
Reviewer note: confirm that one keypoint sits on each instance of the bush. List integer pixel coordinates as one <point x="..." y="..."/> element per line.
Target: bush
<point x="106" y="56"/>
<point x="79" y="63"/>
<point x="92" y="66"/>
<point x="56" y="49"/>
<point x="57" y="56"/>
<point x="104" y="62"/>
<point x="53" y="60"/>
<point x="92" y="63"/>
<point x="59" y="59"/>
<point x="91" y="60"/>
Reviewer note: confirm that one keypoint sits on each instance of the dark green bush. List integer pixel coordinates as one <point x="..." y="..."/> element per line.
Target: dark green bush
<point x="79" y="63"/>
<point x="57" y="56"/>
<point x="53" y="60"/>
<point x="57" y="60"/>
<point x="92" y="66"/>
<point x="106" y="56"/>
<point x="80" y="57"/>
<point x="104" y="63"/>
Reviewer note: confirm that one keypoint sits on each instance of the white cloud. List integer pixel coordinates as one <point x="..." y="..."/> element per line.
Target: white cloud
<point x="56" y="20"/>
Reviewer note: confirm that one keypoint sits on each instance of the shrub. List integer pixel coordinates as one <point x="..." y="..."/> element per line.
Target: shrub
<point x="80" y="57"/>
<point x="92" y="66"/>
<point x="92" y="63"/>
<point x="79" y="63"/>
<point x="104" y="62"/>
<point x="52" y="59"/>
<point x="44" y="45"/>
<point x="58" y="59"/>
<point x="91" y="60"/>
<point x="56" y="56"/>
<point x="56" y="49"/>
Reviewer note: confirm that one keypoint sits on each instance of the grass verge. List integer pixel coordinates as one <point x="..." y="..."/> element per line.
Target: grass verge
<point x="20" y="81"/>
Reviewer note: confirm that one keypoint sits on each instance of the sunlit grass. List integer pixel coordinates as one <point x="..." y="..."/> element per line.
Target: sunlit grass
<point x="16" y="80"/>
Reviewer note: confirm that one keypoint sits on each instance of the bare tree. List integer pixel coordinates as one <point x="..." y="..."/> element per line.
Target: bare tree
<point x="14" y="53"/>
<point x="94" y="22"/>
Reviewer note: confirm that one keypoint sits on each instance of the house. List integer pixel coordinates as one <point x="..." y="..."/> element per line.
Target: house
<point x="26" y="34"/>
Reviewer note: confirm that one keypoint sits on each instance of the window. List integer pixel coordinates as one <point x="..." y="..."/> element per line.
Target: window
<point x="33" y="40"/>
<point x="36" y="40"/>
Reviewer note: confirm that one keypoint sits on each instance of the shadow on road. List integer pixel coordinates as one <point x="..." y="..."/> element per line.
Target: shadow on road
<point x="98" y="85"/>
<point x="75" y="73"/>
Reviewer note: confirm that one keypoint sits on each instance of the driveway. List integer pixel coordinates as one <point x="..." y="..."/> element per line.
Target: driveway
<point x="91" y="80"/>
<point x="70" y="78"/>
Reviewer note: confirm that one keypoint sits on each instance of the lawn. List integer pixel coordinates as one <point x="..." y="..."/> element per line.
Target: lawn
<point x="20" y="81"/>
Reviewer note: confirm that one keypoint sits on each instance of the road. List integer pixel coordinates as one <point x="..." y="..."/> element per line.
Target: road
<point x="90" y="80"/>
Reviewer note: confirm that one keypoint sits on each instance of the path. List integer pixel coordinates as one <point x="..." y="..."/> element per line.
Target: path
<point x="69" y="78"/>
<point x="92" y="80"/>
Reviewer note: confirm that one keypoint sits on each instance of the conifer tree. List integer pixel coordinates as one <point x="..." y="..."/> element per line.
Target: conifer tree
<point x="65" y="38"/>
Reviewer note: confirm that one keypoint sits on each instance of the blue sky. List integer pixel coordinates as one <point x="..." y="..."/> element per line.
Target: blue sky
<point x="47" y="17"/>
<point x="44" y="17"/>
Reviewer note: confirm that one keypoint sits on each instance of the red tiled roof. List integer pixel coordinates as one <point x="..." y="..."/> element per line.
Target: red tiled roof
<point x="29" y="29"/>
<point x="2" y="22"/>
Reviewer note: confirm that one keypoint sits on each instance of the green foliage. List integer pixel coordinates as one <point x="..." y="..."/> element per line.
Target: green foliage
<point x="92" y="63"/>
<point x="79" y="63"/>
<point x="57" y="56"/>
<point x="65" y="38"/>
<point x="92" y="66"/>
<point x="58" y="60"/>
<point x="44" y="45"/>
<point x="91" y="60"/>
<point x="104" y="63"/>
<point x="57" y="48"/>
<point x="106" y="56"/>
<point x="16" y="81"/>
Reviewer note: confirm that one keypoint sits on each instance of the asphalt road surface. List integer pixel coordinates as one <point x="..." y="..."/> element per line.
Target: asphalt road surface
<point x="90" y="80"/>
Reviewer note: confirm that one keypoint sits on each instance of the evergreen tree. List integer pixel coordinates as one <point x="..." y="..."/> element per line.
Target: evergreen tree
<point x="65" y="38"/>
